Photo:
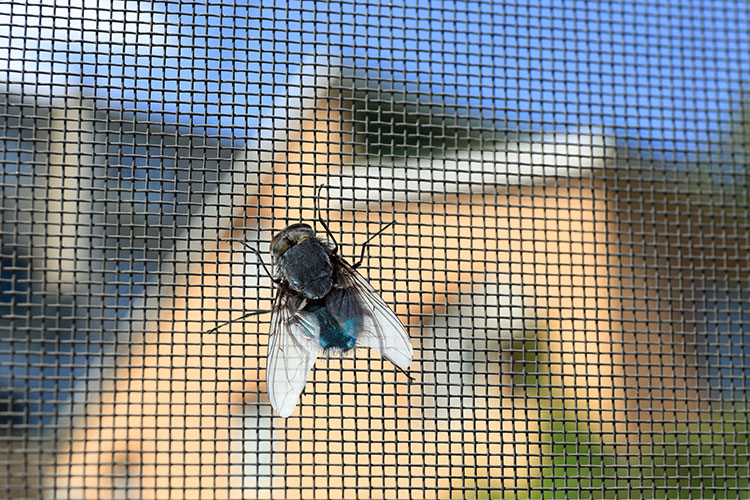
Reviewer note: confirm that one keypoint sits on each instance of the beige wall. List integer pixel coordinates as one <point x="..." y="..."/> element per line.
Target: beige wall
<point x="166" y="422"/>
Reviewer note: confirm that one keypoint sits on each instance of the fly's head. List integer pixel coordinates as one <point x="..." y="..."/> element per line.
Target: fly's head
<point x="289" y="237"/>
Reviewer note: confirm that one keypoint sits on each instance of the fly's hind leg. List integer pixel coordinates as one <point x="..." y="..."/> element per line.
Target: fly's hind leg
<point x="364" y="247"/>
<point x="256" y="312"/>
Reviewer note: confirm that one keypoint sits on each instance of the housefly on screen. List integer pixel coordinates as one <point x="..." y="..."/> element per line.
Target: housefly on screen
<point x="323" y="306"/>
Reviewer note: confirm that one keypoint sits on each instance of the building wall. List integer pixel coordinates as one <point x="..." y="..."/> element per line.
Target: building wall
<point x="171" y="419"/>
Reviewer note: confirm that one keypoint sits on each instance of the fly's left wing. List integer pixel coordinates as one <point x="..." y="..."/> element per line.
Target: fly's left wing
<point x="294" y="346"/>
<point x="381" y="330"/>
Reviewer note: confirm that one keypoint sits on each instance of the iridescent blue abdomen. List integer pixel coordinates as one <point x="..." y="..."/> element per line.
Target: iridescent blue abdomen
<point x="332" y="333"/>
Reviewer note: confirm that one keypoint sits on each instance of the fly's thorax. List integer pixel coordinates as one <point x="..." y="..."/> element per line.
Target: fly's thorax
<point x="307" y="268"/>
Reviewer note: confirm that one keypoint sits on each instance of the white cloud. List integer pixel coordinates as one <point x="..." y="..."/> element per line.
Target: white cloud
<point x="48" y="41"/>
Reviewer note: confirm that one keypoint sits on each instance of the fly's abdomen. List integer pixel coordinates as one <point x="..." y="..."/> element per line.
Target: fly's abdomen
<point x="333" y="334"/>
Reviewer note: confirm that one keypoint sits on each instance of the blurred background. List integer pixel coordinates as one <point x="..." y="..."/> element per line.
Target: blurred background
<point x="571" y="253"/>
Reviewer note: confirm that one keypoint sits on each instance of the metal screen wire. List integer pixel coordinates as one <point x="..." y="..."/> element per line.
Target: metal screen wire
<point x="567" y="184"/>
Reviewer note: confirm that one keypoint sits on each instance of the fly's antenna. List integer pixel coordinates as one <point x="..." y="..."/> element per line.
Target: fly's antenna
<point x="364" y="247"/>
<point x="323" y="223"/>
<point x="260" y="258"/>
<point x="256" y="312"/>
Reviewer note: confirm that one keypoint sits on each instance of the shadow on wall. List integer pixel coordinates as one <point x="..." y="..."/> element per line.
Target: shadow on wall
<point x="91" y="202"/>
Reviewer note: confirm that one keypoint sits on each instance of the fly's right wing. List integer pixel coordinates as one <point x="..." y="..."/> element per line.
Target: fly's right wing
<point x="294" y="345"/>
<point x="380" y="328"/>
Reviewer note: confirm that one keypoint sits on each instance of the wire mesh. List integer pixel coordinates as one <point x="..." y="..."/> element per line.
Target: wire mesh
<point x="569" y="249"/>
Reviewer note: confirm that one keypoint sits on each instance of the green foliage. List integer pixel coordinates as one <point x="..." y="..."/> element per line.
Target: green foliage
<point x="685" y="461"/>
<point x="578" y="466"/>
<point x="705" y="459"/>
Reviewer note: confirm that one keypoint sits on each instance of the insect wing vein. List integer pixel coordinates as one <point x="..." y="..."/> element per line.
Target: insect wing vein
<point x="381" y="330"/>
<point x="294" y="347"/>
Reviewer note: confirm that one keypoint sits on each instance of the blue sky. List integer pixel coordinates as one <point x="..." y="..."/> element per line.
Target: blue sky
<point x="666" y="76"/>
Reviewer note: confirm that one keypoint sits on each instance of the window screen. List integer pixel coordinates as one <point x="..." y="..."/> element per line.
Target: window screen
<point x="551" y="197"/>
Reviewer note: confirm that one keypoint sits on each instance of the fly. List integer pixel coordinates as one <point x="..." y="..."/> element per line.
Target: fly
<point x="323" y="306"/>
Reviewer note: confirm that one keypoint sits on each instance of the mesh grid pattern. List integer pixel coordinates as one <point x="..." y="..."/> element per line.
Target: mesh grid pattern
<point x="569" y="252"/>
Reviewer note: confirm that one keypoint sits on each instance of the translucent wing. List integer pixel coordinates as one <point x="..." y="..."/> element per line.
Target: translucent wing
<point x="294" y="346"/>
<point x="381" y="330"/>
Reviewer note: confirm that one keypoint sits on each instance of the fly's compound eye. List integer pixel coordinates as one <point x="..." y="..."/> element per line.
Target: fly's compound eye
<point x="289" y="237"/>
